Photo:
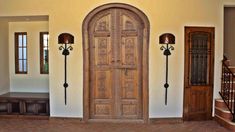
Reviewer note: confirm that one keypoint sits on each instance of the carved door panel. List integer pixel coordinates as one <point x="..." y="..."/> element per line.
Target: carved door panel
<point x="115" y="65"/>
<point x="101" y="68"/>
<point x="199" y="66"/>
<point x="130" y="76"/>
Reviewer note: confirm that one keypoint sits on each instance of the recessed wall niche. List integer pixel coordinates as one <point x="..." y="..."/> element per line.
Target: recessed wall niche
<point x="33" y="80"/>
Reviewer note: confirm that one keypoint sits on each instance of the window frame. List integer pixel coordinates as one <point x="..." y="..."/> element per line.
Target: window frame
<point x="42" y="71"/>
<point x="17" y="70"/>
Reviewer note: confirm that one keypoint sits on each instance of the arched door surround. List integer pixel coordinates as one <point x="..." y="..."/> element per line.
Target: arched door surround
<point x="115" y="68"/>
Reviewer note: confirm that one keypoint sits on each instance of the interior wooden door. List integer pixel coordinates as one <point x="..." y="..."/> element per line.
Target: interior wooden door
<point x="115" y="39"/>
<point x="198" y="75"/>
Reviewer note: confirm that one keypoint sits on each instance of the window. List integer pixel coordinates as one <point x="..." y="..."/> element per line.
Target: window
<point x="44" y="53"/>
<point x="21" y="53"/>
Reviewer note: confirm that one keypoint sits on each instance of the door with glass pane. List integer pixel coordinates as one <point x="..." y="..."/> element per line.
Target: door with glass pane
<point x="198" y="73"/>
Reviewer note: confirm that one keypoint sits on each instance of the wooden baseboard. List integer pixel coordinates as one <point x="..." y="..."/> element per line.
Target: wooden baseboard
<point x="115" y="121"/>
<point x="166" y="120"/>
<point x="80" y="120"/>
<point x="33" y="117"/>
<point x="69" y="119"/>
<point x="151" y="120"/>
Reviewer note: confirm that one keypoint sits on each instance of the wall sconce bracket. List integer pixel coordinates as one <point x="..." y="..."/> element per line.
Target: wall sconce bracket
<point x="167" y="39"/>
<point x="65" y="39"/>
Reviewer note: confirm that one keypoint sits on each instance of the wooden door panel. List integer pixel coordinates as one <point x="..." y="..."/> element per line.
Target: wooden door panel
<point x="102" y="55"/>
<point x="102" y="110"/>
<point x="130" y="94"/>
<point x="128" y="21"/>
<point x="128" y="84"/>
<point x="198" y="109"/>
<point x="116" y="68"/>
<point x="197" y="99"/>
<point x="129" y="51"/>
<point x="130" y="98"/>
<point x="101" y="96"/>
<point x="103" y="85"/>
<point x="198" y="78"/>
<point x="103" y="22"/>
<point x="129" y="110"/>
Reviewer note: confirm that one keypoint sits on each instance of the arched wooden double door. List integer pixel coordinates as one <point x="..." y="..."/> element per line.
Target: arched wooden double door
<point x="115" y="40"/>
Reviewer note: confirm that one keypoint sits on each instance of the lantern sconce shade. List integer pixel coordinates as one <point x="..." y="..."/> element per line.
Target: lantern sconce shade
<point x="167" y="38"/>
<point x="65" y="38"/>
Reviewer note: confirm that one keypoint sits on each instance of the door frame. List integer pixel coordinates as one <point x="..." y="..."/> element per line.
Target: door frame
<point x="145" y="62"/>
<point x="188" y="29"/>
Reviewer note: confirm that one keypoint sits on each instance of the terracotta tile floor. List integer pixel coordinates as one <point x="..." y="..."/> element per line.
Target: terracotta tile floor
<point x="24" y="125"/>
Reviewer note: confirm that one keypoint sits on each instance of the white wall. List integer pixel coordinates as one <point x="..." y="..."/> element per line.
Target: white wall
<point x="4" y="57"/>
<point x="164" y="16"/>
<point x="33" y="81"/>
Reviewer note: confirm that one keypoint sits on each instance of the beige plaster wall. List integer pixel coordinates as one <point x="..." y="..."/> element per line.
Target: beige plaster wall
<point x="164" y="16"/>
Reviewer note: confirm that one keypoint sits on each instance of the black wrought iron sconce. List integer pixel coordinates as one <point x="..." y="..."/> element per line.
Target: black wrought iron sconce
<point x="167" y="38"/>
<point x="65" y="38"/>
